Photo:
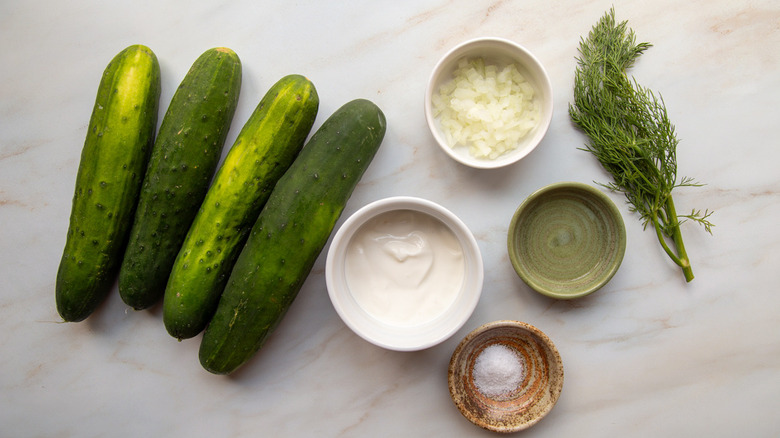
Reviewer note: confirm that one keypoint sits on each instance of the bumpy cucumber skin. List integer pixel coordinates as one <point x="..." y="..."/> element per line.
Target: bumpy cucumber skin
<point x="184" y="157"/>
<point x="113" y="160"/>
<point x="290" y="234"/>
<point x="264" y="149"/>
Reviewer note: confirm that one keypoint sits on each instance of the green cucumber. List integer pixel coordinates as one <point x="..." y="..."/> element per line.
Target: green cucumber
<point x="289" y="235"/>
<point x="264" y="149"/>
<point x="113" y="160"/>
<point x="184" y="157"/>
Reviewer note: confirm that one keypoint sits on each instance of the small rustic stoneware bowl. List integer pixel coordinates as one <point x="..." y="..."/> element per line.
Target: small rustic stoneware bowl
<point x="520" y="407"/>
<point x="566" y="240"/>
<point x="499" y="52"/>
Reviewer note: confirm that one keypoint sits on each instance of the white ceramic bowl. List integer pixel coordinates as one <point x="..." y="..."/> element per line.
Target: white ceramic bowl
<point x="500" y="52"/>
<point x="403" y="337"/>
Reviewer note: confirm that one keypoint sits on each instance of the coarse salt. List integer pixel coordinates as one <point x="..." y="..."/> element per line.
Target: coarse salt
<point x="498" y="370"/>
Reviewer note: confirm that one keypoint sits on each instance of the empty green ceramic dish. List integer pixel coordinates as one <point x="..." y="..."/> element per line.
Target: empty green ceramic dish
<point x="566" y="240"/>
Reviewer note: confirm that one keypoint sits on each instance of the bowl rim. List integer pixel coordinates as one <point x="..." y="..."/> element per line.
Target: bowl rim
<point x="610" y="207"/>
<point x="547" y="107"/>
<point x="341" y="298"/>
<point x="457" y="358"/>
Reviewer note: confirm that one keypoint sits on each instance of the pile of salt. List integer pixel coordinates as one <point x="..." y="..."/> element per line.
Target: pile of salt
<point x="498" y="370"/>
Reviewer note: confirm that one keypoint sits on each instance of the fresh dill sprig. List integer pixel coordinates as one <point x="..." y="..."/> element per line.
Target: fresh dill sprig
<point x="630" y="133"/>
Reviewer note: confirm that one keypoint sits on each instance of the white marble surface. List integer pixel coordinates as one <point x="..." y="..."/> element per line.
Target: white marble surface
<point x="648" y="355"/>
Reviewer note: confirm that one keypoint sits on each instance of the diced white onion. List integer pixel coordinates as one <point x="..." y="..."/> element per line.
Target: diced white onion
<point x="486" y="109"/>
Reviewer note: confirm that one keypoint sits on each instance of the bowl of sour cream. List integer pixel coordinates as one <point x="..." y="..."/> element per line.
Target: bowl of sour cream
<point x="404" y="273"/>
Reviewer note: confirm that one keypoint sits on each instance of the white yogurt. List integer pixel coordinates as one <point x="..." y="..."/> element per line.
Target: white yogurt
<point x="404" y="267"/>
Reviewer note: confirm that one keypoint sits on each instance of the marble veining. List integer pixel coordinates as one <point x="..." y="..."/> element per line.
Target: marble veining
<point x="647" y="355"/>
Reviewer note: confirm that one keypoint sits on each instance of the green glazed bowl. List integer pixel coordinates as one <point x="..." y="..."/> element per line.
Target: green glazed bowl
<point x="566" y="240"/>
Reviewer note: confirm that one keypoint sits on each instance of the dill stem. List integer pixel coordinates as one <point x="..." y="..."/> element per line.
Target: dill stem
<point x="659" y="232"/>
<point x="681" y="257"/>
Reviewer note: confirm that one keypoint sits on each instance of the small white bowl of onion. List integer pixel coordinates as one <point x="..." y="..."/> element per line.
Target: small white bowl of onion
<point x="488" y="102"/>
